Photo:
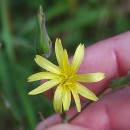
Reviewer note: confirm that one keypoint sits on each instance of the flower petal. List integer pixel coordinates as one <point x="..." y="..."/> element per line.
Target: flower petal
<point x="90" y="77"/>
<point x="78" y="57"/>
<point x="59" y="52"/>
<point x="83" y="91"/>
<point x="66" y="98"/>
<point x="45" y="86"/>
<point x="42" y="75"/>
<point x="76" y="98"/>
<point x="47" y="65"/>
<point x="58" y="96"/>
<point x="66" y="65"/>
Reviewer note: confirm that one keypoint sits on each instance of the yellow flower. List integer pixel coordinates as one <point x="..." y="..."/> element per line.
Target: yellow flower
<point x="65" y="78"/>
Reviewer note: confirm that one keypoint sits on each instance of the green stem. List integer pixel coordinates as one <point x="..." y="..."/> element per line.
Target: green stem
<point x="64" y="117"/>
<point x="86" y="105"/>
<point x="6" y="29"/>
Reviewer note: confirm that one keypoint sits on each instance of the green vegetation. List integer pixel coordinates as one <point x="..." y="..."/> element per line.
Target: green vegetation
<point x="73" y="21"/>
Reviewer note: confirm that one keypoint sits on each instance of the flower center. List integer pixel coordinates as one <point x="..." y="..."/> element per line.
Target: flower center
<point x="67" y="79"/>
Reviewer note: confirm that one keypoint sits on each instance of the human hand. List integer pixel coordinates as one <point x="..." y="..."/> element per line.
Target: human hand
<point x="112" y="111"/>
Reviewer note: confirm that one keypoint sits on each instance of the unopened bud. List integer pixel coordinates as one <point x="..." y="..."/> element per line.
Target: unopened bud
<point x="43" y="42"/>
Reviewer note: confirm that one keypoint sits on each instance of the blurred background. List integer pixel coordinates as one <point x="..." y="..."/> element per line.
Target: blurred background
<point x="74" y="21"/>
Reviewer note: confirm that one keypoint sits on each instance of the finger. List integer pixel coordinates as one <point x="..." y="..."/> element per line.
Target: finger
<point x="64" y="127"/>
<point x="110" y="56"/>
<point x="111" y="112"/>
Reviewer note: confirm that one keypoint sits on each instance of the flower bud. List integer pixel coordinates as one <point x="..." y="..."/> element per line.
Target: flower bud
<point x="43" y="42"/>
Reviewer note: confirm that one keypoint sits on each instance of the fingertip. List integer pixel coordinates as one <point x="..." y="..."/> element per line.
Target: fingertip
<point x="50" y="121"/>
<point x="67" y="127"/>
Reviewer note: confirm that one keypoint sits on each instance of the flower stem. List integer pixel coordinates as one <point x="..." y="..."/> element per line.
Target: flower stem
<point x="87" y="104"/>
<point x="64" y="117"/>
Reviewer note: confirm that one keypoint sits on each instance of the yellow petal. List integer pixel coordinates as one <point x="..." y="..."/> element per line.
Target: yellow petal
<point x="45" y="86"/>
<point x="59" y="52"/>
<point x="47" y="65"/>
<point x="58" y="96"/>
<point x="66" y="65"/>
<point x="42" y="75"/>
<point x="78" y="57"/>
<point x="90" y="77"/>
<point x="83" y="91"/>
<point x="66" y="98"/>
<point x="76" y="98"/>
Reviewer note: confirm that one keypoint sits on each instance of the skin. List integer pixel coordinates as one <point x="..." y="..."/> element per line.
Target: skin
<point x="112" y="110"/>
